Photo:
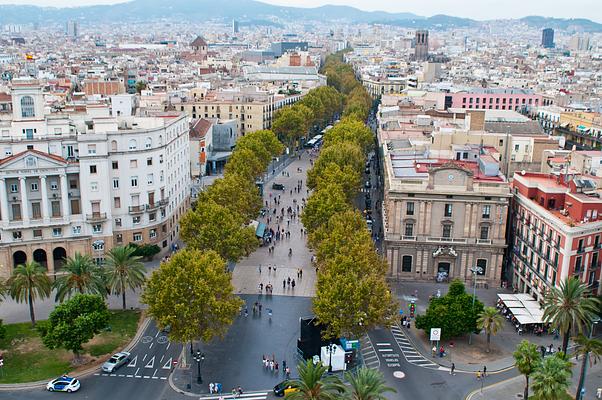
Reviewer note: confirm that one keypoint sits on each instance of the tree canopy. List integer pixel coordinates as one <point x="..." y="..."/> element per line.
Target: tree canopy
<point x="238" y="193"/>
<point x="344" y="154"/>
<point x="350" y="130"/>
<point x="322" y="205"/>
<point x="193" y="294"/>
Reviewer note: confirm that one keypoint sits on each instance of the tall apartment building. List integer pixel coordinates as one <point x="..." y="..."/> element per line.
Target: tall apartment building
<point x="72" y="29"/>
<point x="443" y="217"/>
<point x="421" y="49"/>
<point x="493" y="99"/>
<point x="547" y="38"/>
<point x="556" y="226"/>
<point x="86" y="183"/>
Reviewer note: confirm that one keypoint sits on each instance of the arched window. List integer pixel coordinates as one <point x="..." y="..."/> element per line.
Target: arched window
<point x="27" y="107"/>
<point x="114" y="145"/>
<point x="133" y="145"/>
<point x="148" y="143"/>
<point x="160" y="140"/>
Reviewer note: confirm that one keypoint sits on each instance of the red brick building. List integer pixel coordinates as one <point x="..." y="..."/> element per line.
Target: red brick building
<point x="556" y="226"/>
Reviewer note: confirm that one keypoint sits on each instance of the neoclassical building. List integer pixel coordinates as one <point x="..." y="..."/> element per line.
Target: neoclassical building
<point x="442" y="217"/>
<point x="87" y="181"/>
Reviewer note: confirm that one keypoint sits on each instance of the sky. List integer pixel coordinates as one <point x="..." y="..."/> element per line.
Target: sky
<point x="477" y="9"/>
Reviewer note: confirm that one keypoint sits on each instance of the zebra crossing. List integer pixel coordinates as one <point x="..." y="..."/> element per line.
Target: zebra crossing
<point x="244" y="396"/>
<point x="409" y="351"/>
<point x="369" y="354"/>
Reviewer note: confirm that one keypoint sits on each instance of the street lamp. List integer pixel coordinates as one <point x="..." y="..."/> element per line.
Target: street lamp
<point x="199" y="358"/>
<point x="331" y="348"/>
<point x="475" y="271"/>
<point x="580" y="391"/>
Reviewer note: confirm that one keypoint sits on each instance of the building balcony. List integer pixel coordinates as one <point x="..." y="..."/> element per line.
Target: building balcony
<point x="136" y="209"/>
<point x="411" y="238"/>
<point x="447" y="240"/>
<point x="484" y="241"/>
<point x="160" y="203"/>
<point x="96" y="217"/>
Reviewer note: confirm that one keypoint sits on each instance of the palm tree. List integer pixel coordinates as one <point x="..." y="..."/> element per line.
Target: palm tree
<point x="27" y="283"/>
<point x="491" y="321"/>
<point x="82" y="276"/>
<point x="569" y="309"/>
<point x="314" y="384"/>
<point x="552" y="380"/>
<point x="527" y="359"/>
<point x="123" y="270"/>
<point x="587" y="347"/>
<point x="366" y="384"/>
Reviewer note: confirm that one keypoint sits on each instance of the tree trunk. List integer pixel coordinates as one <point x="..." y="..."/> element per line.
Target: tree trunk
<point x="488" y="342"/>
<point x="526" y="396"/>
<point x="31" y="311"/>
<point x="581" y="377"/>
<point x="123" y="295"/>
<point x="565" y="340"/>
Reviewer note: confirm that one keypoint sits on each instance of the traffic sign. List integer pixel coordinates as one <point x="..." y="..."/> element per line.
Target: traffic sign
<point x="435" y="334"/>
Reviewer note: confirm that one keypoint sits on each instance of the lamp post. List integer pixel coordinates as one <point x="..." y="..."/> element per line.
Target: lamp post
<point x="331" y="347"/>
<point x="199" y="358"/>
<point x="580" y="391"/>
<point x="475" y="270"/>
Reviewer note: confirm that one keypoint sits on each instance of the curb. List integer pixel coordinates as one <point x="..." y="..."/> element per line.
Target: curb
<point x="81" y="374"/>
<point x="470" y="395"/>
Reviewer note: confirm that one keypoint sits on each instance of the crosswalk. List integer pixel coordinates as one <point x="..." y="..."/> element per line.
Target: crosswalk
<point x="244" y="396"/>
<point x="369" y="354"/>
<point x="409" y="351"/>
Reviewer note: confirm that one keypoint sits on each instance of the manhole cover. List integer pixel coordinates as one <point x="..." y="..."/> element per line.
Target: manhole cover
<point x="399" y="374"/>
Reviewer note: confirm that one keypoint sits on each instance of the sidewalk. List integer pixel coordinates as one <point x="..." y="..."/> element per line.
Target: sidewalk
<point x="514" y="387"/>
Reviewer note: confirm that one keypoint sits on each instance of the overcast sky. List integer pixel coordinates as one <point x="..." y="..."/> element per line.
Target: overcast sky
<point x="478" y="9"/>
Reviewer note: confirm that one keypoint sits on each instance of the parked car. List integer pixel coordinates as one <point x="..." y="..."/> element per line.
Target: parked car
<point x="367" y="170"/>
<point x="277" y="186"/>
<point x="116" y="361"/>
<point x="63" y="384"/>
<point x="367" y="185"/>
<point x="284" y="388"/>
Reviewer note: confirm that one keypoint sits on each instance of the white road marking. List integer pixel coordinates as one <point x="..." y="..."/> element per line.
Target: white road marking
<point x="383" y="344"/>
<point x="157" y="334"/>
<point x="383" y="350"/>
<point x="136" y="373"/>
<point x="162" y="357"/>
<point x="144" y="358"/>
<point x="167" y="365"/>
<point x="130" y="376"/>
<point x="151" y="363"/>
<point x="168" y="344"/>
<point x="163" y="378"/>
<point x="133" y="362"/>
<point x="151" y="345"/>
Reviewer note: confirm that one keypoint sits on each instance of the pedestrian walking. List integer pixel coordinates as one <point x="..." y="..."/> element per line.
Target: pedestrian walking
<point x="484" y="371"/>
<point x="288" y="373"/>
<point x="271" y="365"/>
<point x="300" y="273"/>
<point x="269" y="266"/>
<point x="259" y="269"/>
<point x="211" y="387"/>
<point x="452" y="369"/>
<point x="276" y="367"/>
<point x="283" y="365"/>
<point x="293" y="283"/>
<point x="283" y="284"/>
<point x="288" y="281"/>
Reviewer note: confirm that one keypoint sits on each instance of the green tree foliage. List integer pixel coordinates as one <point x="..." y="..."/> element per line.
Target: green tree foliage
<point x="28" y="283"/>
<point x="553" y="378"/>
<point x="146" y="251"/>
<point x="528" y="360"/>
<point x="292" y="123"/>
<point x="264" y="144"/>
<point x="124" y="270"/>
<point x="324" y="102"/>
<point x="245" y="163"/>
<point x="239" y="194"/>
<point x="192" y="293"/>
<point x="314" y="384"/>
<point x="453" y="313"/>
<point x="322" y="205"/>
<point x="75" y="322"/>
<point x="140" y="86"/>
<point x="587" y="348"/>
<point x="491" y="322"/>
<point x="350" y="130"/>
<point x="352" y="295"/>
<point x="568" y="308"/>
<point x="358" y="104"/>
<point x="2" y="330"/>
<point x="82" y="275"/>
<point x="211" y="226"/>
<point x="344" y="154"/>
<point x="346" y="177"/>
<point x="366" y="384"/>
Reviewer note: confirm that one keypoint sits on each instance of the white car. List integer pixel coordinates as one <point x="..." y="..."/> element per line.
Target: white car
<point x="116" y="361"/>
<point x="63" y="384"/>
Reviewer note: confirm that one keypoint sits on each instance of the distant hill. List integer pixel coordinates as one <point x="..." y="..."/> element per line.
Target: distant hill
<point x="252" y="10"/>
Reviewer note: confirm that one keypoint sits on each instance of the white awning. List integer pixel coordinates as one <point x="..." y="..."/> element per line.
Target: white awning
<point x="519" y="311"/>
<point x="525" y="319"/>
<point x="513" y="304"/>
<point x="506" y="296"/>
<point x="524" y="297"/>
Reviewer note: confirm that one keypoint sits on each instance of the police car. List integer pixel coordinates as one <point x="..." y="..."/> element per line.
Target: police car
<point x="63" y="384"/>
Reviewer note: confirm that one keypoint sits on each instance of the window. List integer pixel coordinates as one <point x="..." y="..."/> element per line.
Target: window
<point x="56" y="209"/>
<point x="448" y="210"/>
<point x="119" y="237"/>
<point x="34" y="187"/>
<point x="160" y="158"/>
<point x="409" y="229"/>
<point x="97" y="228"/>
<point x="486" y="211"/>
<point x="56" y="232"/>
<point x="484" y="234"/>
<point x="133" y="145"/>
<point x="136" y="220"/>
<point x="579" y="246"/>
<point x="117" y="221"/>
<point x="115" y="183"/>
<point x="37" y="233"/>
<point x="406" y="264"/>
<point x="482" y="264"/>
<point x="150" y="179"/>
<point x="94" y="186"/>
<point x="149" y="161"/>
<point x="115" y="165"/>
<point x="152" y="217"/>
<point x="133" y="163"/>
<point x="77" y="230"/>
<point x="55" y="186"/>
<point x="113" y="145"/>
<point x="446" y="231"/>
<point x="152" y="233"/>
<point x="578" y="263"/>
<point x="134" y="181"/>
<point x="148" y="143"/>
<point x="72" y="184"/>
<point x="410" y="208"/>
<point x="14" y="188"/>
<point x="92" y="169"/>
<point x="91" y="149"/>
<point x="117" y="202"/>
<point x="36" y="211"/>
<point x="27" y="107"/>
<point x="137" y="237"/>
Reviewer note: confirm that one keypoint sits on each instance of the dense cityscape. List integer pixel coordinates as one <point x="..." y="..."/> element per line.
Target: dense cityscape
<point x="256" y="201"/>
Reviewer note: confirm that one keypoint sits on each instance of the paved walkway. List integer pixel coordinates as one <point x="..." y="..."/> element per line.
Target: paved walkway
<point x="247" y="276"/>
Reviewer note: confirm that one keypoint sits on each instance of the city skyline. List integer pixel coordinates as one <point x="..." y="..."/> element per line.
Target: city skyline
<point x="480" y="10"/>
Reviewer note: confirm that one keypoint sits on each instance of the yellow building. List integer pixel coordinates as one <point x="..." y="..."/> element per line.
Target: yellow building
<point x="581" y="129"/>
